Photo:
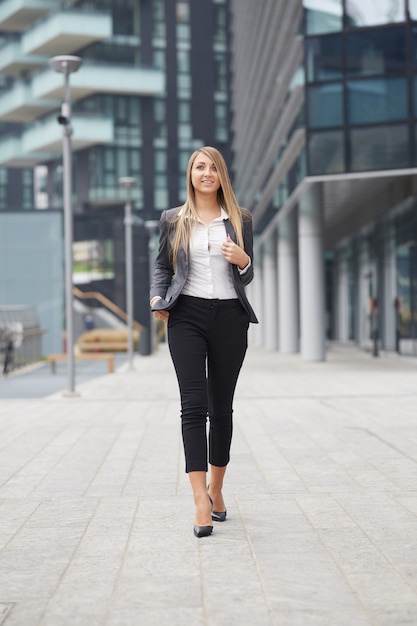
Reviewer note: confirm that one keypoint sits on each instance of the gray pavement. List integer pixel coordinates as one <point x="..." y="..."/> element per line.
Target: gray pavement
<point x="35" y="381"/>
<point x="96" y="513"/>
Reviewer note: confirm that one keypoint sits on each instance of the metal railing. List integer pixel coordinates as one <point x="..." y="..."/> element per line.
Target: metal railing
<point x="20" y="337"/>
<point x="108" y="304"/>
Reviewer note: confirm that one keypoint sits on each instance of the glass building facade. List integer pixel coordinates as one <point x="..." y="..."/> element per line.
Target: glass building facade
<point x="360" y="86"/>
<point x="326" y="154"/>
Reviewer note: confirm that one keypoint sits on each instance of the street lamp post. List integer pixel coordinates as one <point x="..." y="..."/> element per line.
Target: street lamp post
<point x="67" y="64"/>
<point x="127" y="183"/>
<point x="151" y="226"/>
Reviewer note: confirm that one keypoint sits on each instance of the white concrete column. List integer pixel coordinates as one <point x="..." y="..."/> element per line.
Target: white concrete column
<point x="288" y="285"/>
<point x="270" y="293"/>
<point x="362" y="286"/>
<point x="341" y="291"/>
<point x="389" y="289"/>
<point x="311" y="255"/>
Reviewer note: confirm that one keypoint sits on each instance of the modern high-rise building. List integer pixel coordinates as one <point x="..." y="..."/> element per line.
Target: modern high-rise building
<point x="325" y="155"/>
<point x="153" y="86"/>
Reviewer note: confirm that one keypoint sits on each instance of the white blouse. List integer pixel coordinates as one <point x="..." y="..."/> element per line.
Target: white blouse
<point x="209" y="274"/>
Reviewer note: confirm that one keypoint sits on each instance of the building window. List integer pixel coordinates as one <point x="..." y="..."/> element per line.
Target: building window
<point x="183" y="61"/>
<point x="160" y="180"/>
<point x="113" y="53"/>
<point x="183" y="12"/>
<point x="160" y="125"/>
<point x="407" y="275"/>
<point x="324" y="58"/>
<point x="373" y="13"/>
<point x="28" y="190"/>
<point x="379" y="147"/>
<point x="158" y="9"/>
<point x="161" y="199"/>
<point x="325" y="105"/>
<point x="184" y="120"/>
<point x="3" y="188"/>
<point x="107" y="165"/>
<point x="220" y="23"/>
<point x="323" y="16"/>
<point x="221" y="122"/>
<point x="183" y="32"/>
<point x="326" y="152"/>
<point x="184" y="75"/>
<point x="220" y="72"/>
<point x="126" y="19"/>
<point x="159" y="59"/>
<point x="184" y="111"/>
<point x="377" y="100"/>
<point x="381" y="51"/>
<point x="93" y="260"/>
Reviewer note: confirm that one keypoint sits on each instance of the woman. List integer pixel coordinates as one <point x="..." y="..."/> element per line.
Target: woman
<point x="203" y="263"/>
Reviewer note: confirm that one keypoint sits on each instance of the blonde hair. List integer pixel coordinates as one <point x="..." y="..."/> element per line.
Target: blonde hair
<point x="186" y="217"/>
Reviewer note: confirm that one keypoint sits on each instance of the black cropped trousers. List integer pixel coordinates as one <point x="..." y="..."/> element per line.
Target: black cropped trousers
<point x="207" y="341"/>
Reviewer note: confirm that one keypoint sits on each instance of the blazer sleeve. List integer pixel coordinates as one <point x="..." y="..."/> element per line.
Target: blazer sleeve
<point x="164" y="270"/>
<point x="247" y="277"/>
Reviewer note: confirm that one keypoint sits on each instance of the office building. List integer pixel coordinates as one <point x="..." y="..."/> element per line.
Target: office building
<point x="324" y="137"/>
<point x="152" y="87"/>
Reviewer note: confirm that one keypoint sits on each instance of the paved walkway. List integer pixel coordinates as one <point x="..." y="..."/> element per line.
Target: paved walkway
<point x="96" y="513"/>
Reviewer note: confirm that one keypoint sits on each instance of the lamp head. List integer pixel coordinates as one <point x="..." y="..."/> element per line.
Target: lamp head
<point x="65" y="63"/>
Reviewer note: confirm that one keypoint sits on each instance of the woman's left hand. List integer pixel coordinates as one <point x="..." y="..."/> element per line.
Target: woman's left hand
<point x="234" y="254"/>
<point x="161" y="315"/>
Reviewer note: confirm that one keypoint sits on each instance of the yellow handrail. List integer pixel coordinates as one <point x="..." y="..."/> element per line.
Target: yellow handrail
<point x="96" y="295"/>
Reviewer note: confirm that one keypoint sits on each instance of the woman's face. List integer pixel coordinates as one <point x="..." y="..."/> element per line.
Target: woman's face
<point x="204" y="175"/>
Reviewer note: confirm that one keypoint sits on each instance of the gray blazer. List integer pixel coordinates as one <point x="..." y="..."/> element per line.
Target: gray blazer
<point x="168" y="281"/>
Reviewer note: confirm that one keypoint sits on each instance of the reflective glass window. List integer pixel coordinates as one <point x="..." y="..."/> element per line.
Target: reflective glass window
<point x="374" y="12"/>
<point x="376" y="51"/>
<point x="414" y="43"/>
<point x="183" y="61"/>
<point x="325" y="105"/>
<point x="326" y="152"/>
<point x="378" y="100"/>
<point x="220" y="72"/>
<point x="3" y="188"/>
<point x="220" y="21"/>
<point x="160" y="161"/>
<point x="407" y="286"/>
<point x="379" y="147"/>
<point x="323" y="16"/>
<point x="221" y="122"/>
<point x="324" y="58"/>
<point x="161" y="201"/>
<point x="415" y="96"/>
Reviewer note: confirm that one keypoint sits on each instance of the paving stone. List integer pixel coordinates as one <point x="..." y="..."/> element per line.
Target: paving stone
<point x="96" y="513"/>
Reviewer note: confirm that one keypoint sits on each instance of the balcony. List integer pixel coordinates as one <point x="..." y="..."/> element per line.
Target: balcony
<point x="26" y="102"/>
<point x="101" y="79"/>
<point x="18" y="104"/>
<point x="14" y="63"/>
<point x="17" y="15"/>
<point x="43" y="141"/>
<point x="65" y="32"/>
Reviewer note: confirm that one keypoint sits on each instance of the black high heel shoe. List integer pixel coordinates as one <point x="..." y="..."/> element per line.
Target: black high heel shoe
<point x="217" y="516"/>
<point x="203" y="531"/>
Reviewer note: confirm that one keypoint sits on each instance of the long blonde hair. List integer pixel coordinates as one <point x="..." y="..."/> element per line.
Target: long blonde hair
<point x="186" y="217"/>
